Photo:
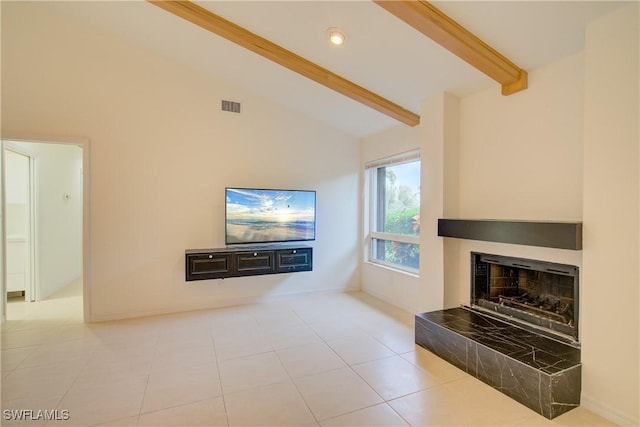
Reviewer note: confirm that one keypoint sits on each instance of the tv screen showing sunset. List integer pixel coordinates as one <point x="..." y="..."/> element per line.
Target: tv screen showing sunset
<point x="262" y="216"/>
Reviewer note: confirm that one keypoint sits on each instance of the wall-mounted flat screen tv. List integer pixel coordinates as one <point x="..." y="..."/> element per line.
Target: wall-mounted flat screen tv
<point x="255" y="215"/>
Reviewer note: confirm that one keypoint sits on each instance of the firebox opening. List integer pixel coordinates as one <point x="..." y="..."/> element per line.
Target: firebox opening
<point x="531" y="293"/>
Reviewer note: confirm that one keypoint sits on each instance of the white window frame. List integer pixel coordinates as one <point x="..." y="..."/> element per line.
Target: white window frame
<point x="371" y="214"/>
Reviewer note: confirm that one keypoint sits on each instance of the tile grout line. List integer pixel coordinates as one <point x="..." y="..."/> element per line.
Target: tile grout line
<point x="222" y="394"/>
<point x="289" y="374"/>
<point x="323" y="340"/>
<point x="146" y="386"/>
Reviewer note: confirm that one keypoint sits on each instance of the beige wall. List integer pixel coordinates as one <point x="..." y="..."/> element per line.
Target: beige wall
<point x="521" y="155"/>
<point x="611" y="216"/>
<point x="161" y="155"/>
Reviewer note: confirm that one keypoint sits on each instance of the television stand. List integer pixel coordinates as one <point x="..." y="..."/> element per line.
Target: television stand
<point x="240" y="261"/>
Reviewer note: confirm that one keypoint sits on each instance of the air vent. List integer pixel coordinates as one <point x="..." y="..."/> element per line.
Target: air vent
<point x="233" y="107"/>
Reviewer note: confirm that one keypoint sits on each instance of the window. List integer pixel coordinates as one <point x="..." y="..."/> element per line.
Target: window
<point x="394" y="211"/>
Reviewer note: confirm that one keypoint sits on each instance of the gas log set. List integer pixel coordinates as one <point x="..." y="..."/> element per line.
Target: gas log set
<point x="548" y="306"/>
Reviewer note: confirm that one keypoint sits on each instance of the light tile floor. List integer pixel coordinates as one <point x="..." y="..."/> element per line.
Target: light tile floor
<point x="325" y="360"/>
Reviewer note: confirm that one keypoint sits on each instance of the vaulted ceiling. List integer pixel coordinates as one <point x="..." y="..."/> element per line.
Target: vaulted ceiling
<point x="382" y="53"/>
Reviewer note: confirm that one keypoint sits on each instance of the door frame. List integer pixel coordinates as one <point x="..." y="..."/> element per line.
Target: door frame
<point x="83" y="143"/>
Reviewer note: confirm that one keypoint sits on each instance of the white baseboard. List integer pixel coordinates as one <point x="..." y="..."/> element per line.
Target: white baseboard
<point x="220" y="304"/>
<point x="606" y="412"/>
<point x="388" y="300"/>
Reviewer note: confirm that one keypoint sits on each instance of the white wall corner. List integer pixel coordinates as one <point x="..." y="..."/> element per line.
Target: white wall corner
<point x="451" y="207"/>
<point x="439" y="182"/>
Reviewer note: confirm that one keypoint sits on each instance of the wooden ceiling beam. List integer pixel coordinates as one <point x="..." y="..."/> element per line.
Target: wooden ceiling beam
<point x="434" y="24"/>
<point x="232" y="32"/>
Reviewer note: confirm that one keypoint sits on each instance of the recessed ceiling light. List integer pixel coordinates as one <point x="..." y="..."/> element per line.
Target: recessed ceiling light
<point x="336" y="36"/>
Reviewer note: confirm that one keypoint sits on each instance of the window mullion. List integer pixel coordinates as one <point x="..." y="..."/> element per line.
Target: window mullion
<point x="381" y="208"/>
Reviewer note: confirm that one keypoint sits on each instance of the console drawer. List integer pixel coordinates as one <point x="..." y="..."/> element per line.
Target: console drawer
<point x="259" y="262"/>
<point x="208" y="266"/>
<point x="294" y="260"/>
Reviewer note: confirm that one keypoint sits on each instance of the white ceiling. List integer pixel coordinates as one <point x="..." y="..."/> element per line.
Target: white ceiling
<point x="381" y="53"/>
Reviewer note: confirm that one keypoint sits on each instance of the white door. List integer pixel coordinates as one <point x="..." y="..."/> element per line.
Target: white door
<point x="18" y="231"/>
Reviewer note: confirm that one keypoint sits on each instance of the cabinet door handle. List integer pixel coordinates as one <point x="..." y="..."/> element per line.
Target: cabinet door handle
<point x="295" y="252"/>
<point x="255" y="254"/>
<point x="210" y="256"/>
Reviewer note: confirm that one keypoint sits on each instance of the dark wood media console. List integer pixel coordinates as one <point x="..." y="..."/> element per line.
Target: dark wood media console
<point x="221" y="263"/>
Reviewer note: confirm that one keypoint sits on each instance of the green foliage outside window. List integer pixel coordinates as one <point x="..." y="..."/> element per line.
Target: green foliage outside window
<point x="405" y="221"/>
<point x="402" y="216"/>
<point x="406" y="254"/>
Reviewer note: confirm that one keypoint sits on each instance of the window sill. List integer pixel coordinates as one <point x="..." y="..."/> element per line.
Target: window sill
<point x="411" y="273"/>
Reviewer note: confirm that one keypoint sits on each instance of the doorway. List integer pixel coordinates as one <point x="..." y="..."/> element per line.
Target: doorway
<point x="45" y="184"/>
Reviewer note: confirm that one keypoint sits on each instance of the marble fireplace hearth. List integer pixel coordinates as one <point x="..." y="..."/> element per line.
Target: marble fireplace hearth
<point x="541" y="373"/>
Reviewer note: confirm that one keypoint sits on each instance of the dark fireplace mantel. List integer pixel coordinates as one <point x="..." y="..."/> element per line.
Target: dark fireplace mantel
<point x="560" y="235"/>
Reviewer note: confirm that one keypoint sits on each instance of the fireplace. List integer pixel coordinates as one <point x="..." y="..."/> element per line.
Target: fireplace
<point x="519" y="331"/>
<point x="519" y="334"/>
<point x="537" y="295"/>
